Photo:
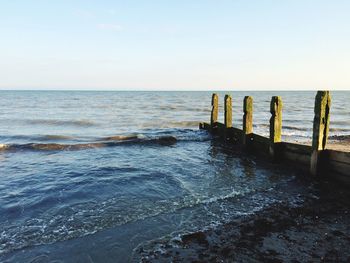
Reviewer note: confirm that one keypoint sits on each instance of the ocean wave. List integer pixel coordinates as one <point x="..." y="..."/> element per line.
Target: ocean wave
<point x="87" y="218"/>
<point x="340" y="122"/>
<point x="340" y="137"/>
<point x="42" y="138"/>
<point x="120" y="138"/>
<point x="183" y="124"/>
<point x="259" y="125"/>
<point x="172" y="124"/>
<point x="287" y="127"/>
<point x="162" y="137"/>
<point x="52" y="122"/>
<point x="169" y="107"/>
<point x="339" y="129"/>
<point x="54" y="137"/>
<point x="106" y="142"/>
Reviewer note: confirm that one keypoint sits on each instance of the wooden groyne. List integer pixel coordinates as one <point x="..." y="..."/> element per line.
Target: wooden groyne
<point x="315" y="158"/>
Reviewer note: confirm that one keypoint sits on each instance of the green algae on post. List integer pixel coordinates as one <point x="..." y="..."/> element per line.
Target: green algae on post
<point x="214" y="109"/>
<point x="275" y="124"/>
<point x="228" y="111"/>
<point x="320" y="129"/>
<point x="247" y="118"/>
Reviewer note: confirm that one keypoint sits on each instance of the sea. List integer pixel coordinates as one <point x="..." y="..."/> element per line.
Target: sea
<point x="94" y="176"/>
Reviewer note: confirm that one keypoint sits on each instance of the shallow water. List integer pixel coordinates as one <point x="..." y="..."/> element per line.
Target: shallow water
<point x="92" y="175"/>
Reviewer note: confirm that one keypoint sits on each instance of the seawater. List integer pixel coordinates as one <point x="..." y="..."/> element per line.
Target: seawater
<point x="90" y="176"/>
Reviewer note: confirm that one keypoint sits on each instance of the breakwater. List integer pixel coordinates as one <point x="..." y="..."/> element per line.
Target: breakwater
<point x="315" y="158"/>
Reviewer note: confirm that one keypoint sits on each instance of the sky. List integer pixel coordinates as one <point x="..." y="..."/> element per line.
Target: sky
<point x="175" y="45"/>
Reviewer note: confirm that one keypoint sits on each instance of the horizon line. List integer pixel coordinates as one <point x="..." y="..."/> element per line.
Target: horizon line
<point x="166" y="90"/>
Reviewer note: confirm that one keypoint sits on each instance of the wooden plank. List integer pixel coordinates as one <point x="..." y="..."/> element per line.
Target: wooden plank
<point x="338" y="156"/>
<point x="259" y="148"/>
<point x="302" y="159"/>
<point x="340" y="178"/>
<point x="232" y="134"/>
<point x="236" y="135"/>
<point x="260" y="139"/>
<point x="237" y="132"/>
<point x="320" y="128"/>
<point x="338" y="167"/>
<point x="296" y="148"/>
<point x="204" y="126"/>
<point x="220" y="129"/>
<point x="259" y="144"/>
<point x="337" y="164"/>
<point x="220" y="125"/>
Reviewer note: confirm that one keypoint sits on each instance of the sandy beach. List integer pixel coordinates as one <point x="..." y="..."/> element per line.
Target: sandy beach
<point x="339" y="143"/>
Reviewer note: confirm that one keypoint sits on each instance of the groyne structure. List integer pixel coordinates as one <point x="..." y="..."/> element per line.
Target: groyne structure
<point x="316" y="159"/>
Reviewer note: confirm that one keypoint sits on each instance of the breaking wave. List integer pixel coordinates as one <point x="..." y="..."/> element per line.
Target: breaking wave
<point x="110" y="141"/>
<point x="55" y="137"/>
<point x="172" y="124"/>
<point x="88" y="218"/>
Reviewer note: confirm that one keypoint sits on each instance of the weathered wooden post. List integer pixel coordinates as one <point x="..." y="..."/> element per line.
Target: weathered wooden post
<point x="214" y="110"/>
<point x="247" y="119"/>
<point x="228" y="111"/>
<point x="228" y="115"/>
<point x="320" y="129"/>
<point x="275" y="126"/>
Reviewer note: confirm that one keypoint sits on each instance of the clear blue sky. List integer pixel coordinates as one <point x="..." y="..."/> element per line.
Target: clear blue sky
<point x="178" y="44"/>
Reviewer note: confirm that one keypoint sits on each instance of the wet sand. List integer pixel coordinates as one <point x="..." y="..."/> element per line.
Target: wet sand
<point x="339" y="143"/>
<point x="317" y="231"/>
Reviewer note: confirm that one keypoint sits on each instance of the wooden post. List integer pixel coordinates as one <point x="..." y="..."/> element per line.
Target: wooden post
<point x="275" y="125"/>
<point x="228" y="111"/>
<point x="247" y="119"/>
<point x="228" y="116"/>
<point x="320" y="129"/>
<point x="214" y="110"/>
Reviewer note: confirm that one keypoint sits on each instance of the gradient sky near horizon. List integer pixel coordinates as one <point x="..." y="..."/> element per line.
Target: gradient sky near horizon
<point x="182" y="44"/>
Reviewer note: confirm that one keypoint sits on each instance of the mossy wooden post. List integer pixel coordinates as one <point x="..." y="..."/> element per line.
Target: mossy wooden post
<point x="214" y="110"/>
<point x="320" y="129"/>
<point x="275" y="126"/>
<point x="228" y="114"/>
<point x="247" y="119"/>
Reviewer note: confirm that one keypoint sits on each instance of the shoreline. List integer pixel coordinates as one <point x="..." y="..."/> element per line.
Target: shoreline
<point x="339" y="143"/>
<point x="317" y="230"/>
<point x="336" y="142"/>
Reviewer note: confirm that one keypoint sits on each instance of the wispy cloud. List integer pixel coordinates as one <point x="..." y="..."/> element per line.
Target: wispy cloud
<point x="112" y="27"/>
